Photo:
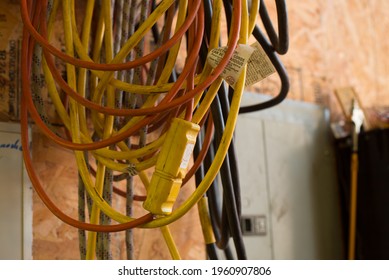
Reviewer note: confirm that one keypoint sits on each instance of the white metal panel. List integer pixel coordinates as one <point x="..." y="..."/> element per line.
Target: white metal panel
<point x="253" y="177"/>
<point x="299" y="197"/>
<point x="289" y="164"/>
<point x="15" y="197"/>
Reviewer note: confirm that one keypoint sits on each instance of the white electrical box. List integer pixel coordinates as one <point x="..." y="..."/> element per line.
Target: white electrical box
<point x="290" y="201"/>
<point x="15" y="197"/>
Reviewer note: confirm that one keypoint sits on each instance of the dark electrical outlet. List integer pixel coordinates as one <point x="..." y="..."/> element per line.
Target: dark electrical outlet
<point x="253" y="225"/>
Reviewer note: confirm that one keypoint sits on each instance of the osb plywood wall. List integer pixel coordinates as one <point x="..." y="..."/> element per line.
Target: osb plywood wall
<point x="335" y="44"/>
<point x="332" y="44"/>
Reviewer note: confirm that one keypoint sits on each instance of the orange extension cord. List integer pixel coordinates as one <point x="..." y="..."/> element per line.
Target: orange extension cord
<point x="178" y="99"/>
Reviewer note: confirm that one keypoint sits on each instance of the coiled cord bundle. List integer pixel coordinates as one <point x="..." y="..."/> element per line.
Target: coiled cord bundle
<point x="116" y="94"/>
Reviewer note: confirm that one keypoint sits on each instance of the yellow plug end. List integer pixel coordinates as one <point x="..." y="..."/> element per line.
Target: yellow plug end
<point x="171" y="167"/>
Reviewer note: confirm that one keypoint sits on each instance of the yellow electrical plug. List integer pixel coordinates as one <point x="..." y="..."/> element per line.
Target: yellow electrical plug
<point x="171" y="167"/>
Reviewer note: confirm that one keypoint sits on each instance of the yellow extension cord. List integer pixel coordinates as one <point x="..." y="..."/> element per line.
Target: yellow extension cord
<point x="105" y="84"/>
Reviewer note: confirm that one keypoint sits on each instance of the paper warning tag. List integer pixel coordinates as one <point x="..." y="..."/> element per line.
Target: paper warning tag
<point x="235" y="66"/>
<point x="259" y="66"/>
<point x="258" y="63"/>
